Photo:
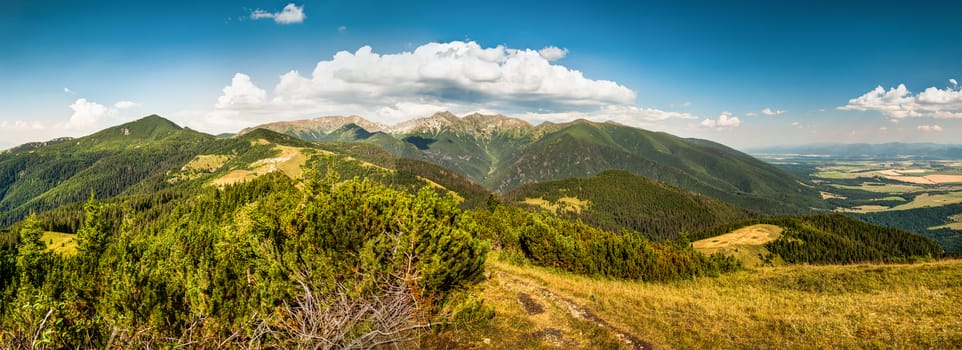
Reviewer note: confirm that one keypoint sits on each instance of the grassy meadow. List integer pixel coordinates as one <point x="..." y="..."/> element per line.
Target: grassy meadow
<point x="787" y="307"/>
<point x="61" y="243"/>
<point x="746" y="244"/>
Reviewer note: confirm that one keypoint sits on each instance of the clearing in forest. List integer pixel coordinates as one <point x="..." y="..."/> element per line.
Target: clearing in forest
<point x="289" y="161"/>
<point x="563" y="204"/>
<point x="745" y="244"/>
<point x="60" y="243"/>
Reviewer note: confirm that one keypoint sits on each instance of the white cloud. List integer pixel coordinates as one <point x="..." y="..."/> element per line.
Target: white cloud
<point x="553" y="53"/>
<point x="751" y="114"/>
<point x="797" y="124"/>
<point x="933" y="128"/>
<point x="87" y="114"/>
<point x="460" y="77"/>
<point x="627" y="115"/>
<point x="769" y="111"/>
<point x="342" y="29"/>
<point x="899" y="103"/>
<point x="289" y="15"/>
<point x="67" y="90"/>
<point x="725" y="121"/>
<point x="954" y="82"/>
<point x="125" y="104"/>
<point x="241" y="93"/>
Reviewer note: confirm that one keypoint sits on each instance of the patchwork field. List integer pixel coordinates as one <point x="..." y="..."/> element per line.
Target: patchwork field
<point x="912" y="193"/>
<point x="873" y="186"/>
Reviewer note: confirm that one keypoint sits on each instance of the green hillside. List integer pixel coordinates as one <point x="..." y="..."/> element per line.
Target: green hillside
<point x="262" y="239"/>
<point x="109" y="162"/>
<point x="838" y="239"/>
<point x="503" y="153"/>
<point x="153" y="154"/>
<point x="616" y="200"/>
<point x="585" y="148"/>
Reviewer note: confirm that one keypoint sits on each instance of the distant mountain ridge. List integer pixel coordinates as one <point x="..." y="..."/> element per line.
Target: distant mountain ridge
<point x="503" y="153"/>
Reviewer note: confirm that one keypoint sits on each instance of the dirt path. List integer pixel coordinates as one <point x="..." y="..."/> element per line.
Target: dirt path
<point x="532" y="296"/>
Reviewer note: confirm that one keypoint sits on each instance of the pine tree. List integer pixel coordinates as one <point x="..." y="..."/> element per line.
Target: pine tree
<point x="32" y="252"/>
<point x="93" y="233"/>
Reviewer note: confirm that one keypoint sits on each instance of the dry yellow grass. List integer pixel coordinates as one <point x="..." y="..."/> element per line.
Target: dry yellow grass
<point x="829" y="195"/>
<point x="745" y="244"/>
<point x="788" y="307"/>
<point x="435" y="185"/>
<point x="943" y="179"/>
<point x="289" y="161"/>
<point x="199" y="166"/>
<point x="206" y="162"/>
<point x="951" y="226"/>
<point x="60" y="243"/>
<point x="921" y="180"/>
<point x="563" y="204"/>
<point x="528" y="318"/>
<point x="882" y="188"/>
<point x="862" y="209"/>
<point x="927" y="200"/>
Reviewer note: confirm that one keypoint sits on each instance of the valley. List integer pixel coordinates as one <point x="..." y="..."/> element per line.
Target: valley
<point x="914" y="192"/>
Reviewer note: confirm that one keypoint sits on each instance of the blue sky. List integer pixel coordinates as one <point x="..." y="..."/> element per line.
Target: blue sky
<point x="695" y="69"/>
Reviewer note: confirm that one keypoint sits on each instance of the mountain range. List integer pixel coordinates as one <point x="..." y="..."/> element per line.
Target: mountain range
<point x="503" y="153"/>
<point x="153" y="154"/>
<point x="472" y="155"/>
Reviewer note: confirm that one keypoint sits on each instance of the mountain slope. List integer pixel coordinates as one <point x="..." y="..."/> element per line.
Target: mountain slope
<point x="616" y="200"/>
<point x="504" y="153"/>
<point x="837" y="239"/>
<point x="106" y="163"/>
<point x="152" y="154"/>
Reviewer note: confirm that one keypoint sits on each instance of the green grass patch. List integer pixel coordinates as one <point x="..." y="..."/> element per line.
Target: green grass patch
<point x="61" y="243"/>
<point x="881" y="188"/>
<point x="931" y="200"/>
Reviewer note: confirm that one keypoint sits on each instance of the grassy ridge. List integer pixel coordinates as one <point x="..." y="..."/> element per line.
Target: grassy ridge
<point x="861" y="306"/>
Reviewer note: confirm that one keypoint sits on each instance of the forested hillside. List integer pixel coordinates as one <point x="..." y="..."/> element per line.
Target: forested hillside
<point x="503" y="153"/>
<point x="108" y="163"/>
<point x="838" y="239"/>
<point x="927" y="221"/>
<point x="153" y="154"/>
<point x="265" y="261"/>
<point x="617" y="200"/>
